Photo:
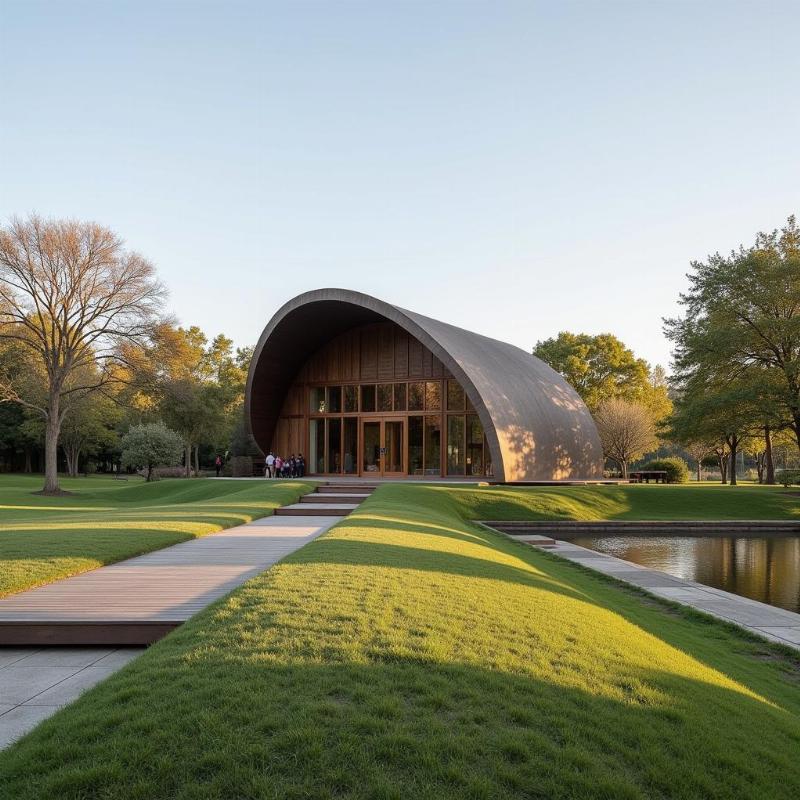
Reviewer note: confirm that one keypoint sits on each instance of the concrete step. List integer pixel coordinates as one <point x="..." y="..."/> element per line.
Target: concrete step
<point x="316" y="510"/>
<point x="345" y="488"/>
<point x="333" y="497"/>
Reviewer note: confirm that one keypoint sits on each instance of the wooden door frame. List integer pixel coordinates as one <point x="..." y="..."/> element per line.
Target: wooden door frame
<point x="382" y="420"/>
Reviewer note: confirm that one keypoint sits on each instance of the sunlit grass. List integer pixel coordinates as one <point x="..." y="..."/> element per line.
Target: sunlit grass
<point x="409" y="653"/>
<point x="103" y="521"/>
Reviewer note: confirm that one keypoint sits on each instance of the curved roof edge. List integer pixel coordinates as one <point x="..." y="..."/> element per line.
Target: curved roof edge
<point x="536" y="425"/>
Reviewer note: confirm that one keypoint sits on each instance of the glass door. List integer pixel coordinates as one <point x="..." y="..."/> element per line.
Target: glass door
<point x="382" y="447"/>
<point x="371" y="447"/>
<point x="393" y="447"/>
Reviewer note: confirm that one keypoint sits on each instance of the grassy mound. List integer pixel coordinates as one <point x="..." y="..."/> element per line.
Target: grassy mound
<point x="627" y="501"/>
<point x="103" y="520"/>
<point x="410" y="653"/>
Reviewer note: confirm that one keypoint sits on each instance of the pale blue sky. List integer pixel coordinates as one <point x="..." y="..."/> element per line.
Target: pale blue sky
<point x="514" y="168"/>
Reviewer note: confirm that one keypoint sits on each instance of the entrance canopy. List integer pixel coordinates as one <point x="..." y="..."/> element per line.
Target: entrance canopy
<point x="536" y="426"/>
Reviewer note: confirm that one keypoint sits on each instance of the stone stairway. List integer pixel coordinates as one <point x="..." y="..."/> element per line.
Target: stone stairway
<point x="329" y="500"/>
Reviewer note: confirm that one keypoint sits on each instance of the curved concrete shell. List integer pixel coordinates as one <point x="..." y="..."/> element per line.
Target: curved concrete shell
<point x="537" y="427"/>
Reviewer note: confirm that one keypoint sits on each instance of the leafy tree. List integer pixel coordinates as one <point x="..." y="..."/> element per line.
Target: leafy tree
<point x="725" y="416"/>
<point x="598" y="367"/>
<point x="89" y="425"/>
<point x="71" y="294"/>
<point x="742" y="326"/>
<point x="601" y="368"/>
<point x="150" y="445"/>
<point x="626" y="431"/>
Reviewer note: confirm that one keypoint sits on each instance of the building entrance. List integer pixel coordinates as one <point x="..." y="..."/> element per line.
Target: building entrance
<point x="382" y="447"/>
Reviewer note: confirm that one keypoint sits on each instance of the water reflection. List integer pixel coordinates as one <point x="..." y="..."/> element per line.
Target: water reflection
<point x="765" y="568"/>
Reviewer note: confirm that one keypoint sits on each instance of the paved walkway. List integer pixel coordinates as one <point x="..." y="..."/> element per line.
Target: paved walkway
<point x="167" y="585"/>
<point x="35" y="683"/>
<point x="775" y="624"/>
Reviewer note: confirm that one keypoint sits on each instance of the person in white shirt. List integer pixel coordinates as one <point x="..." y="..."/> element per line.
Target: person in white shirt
<point x="270" y="461"/>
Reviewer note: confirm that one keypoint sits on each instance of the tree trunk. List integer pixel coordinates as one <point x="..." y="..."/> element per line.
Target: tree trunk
<point x="699" y="464"/>
<point x="722" y="458"/>
<point x="624" y="467"/>
<point x="733" y="443"/>
<point x="52" y="429"/>
<point x="149" y="473"/>
<point x="187" y="457"/>
<point x="770" y="461"/>
<point x="197" y="461"/>
<point x="28" y="466"/>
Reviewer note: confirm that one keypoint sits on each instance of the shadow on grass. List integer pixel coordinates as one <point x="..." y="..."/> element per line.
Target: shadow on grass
<point x="683" y="628"/>
<point x="223" y="721"/>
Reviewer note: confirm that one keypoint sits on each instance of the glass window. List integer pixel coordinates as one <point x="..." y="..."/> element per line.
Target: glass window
<point x="399" y="397"/>
<point x="384" y="397"/>
<point x="368" y="398"/>
<point x="316" y="445"/>
<point x="487" y="459"/>
<point x="474" y="445"/>
<point x="334" y="464"/>
<point x="433" y="445"/>
<point x="415" y="451"/>
<point x="455" y="444"/>
<point x="433" y="396"/>
<point x="334" y="400"/>
<point x="350" y="399"/>
<point x="371" y="446"/>
<point x="455" y="396"/>
<point x="416" y="396"/>
<point x="350" y="455"/>
<point x="318" y="400"/>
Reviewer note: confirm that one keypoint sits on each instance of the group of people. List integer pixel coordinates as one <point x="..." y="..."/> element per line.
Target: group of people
<point x="277" y="467"/>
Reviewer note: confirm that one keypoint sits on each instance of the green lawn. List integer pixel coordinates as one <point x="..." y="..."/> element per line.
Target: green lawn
<point x="631" y="501"/>
<point x="46" y="538"/>
<point x="409" y="653"/>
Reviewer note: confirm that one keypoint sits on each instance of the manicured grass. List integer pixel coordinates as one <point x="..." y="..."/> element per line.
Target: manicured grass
<point x="46" y="538"/>
<point x="409" y="653"/>
<point x="630" y="501"/>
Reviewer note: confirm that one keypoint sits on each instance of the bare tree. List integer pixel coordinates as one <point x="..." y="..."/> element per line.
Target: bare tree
<point x="72" y="294"/>
<point x="626" y="431"/>
<point x="698" y="450"/>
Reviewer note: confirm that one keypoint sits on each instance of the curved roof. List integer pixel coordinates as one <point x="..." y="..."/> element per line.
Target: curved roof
<point x="536" y="425"/>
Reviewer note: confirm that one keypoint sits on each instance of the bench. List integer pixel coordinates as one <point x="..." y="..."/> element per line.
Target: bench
<point x="647" y="475"/>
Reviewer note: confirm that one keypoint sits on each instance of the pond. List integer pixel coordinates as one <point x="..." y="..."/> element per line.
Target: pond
<point x="764" y="568"/>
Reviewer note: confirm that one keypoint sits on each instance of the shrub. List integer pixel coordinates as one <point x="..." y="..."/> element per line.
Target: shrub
<point x="676" y="468"/>
<point x="787" y="477"/>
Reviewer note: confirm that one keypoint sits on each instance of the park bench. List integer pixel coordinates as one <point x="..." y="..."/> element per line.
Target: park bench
<point x="647" y="475"/>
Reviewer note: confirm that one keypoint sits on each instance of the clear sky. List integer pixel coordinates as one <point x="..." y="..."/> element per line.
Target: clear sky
<point x="513" y="168"/>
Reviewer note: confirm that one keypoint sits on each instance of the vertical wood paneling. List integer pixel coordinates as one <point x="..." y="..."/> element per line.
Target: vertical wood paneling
<point x="369" y="354"/>
<point x="427" y="362"/>
<point x="386" y="352"/>
<point x="400" y="353"/>
<point x="415" y="358"/>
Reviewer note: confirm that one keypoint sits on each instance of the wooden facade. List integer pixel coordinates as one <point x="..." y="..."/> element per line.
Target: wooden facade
<point x="378" y="360"/>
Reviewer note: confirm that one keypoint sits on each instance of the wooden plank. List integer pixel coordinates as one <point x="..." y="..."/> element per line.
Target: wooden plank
<point x="141" y="599"/>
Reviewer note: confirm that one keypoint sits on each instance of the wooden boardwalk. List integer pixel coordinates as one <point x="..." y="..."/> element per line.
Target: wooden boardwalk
<point x="139" y="600"/>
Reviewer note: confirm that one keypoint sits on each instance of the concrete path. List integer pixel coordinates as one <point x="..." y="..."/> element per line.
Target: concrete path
<point x="35" y="683"/>
<point x="769" y="622"/>
<point x="168" y="585"/>
<point x="161" y="589"/>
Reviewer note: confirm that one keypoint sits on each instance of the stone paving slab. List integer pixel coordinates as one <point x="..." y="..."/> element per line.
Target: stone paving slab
<point x="769" y="622"/>
<point x="35" y="683"/>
